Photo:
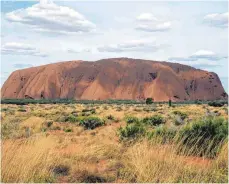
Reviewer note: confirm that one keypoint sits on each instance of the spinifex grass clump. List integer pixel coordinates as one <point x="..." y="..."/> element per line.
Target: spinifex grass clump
<point x="154" y="120"/>
<point x="71" y="118"/>
<point x="203" y="137"/>
<point x="131" y="131"/>
<point x="131" y="119"/>
<point x="91" y="122"/>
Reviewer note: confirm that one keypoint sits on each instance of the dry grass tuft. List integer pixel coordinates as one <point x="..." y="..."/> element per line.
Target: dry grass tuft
<point x="27" y="160"/>
<point x="145" y="162"/>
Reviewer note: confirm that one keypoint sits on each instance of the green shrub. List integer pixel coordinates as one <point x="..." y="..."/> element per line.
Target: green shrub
<point x="91" y="122"/>
<point x="71" y="118"/>
<point x="131" y="131"/>
<point x="153" y="120"/>
<point x="203" y="137"/>
<point x="198" y="102"/>
<point x="217" y="103"/>
<point x="163" y="134"/>
<point x="131" y="119"/>
<point x="149" y="101"/>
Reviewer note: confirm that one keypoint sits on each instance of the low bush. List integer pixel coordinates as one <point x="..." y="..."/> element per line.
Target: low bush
<point x="198" y="102"/>
<point x="71" y="118"/>
<point x="131" y="131"/>
<point x="217" y="103"/>
<point x="154" y="120"/>
<point x="131" y="119"/>
<point x="91" y="122"/>
<point x="149" y="101"/>
<point x="203" y="137"/>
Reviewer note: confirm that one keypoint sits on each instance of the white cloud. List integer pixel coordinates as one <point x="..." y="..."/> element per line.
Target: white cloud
<point x="217" y="19"/>
<point x="154" y="27"/>
<point x="132" y="46"/>
<point x="149" y="23"/>
<point x="49" y="17"/>
<point x="15" y="48"/>
<point x="75" y="51"/>
<point x="198" y="58"/>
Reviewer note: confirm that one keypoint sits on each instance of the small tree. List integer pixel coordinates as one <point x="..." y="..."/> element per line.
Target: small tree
<point x="170" y="102"/>
<point x="149" y="101"/>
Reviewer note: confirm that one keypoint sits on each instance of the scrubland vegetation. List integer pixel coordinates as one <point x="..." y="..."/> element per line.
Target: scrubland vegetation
<point x="90" y="143"/>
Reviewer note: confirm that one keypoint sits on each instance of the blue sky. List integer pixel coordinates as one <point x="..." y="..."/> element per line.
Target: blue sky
<point x="193" y="33"/>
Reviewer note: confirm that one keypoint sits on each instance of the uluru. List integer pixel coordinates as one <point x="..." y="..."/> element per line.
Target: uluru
<point x="115" y="78"/>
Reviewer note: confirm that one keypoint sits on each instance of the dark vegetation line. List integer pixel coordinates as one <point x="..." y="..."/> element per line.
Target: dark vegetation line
<point x="109" y="101"/>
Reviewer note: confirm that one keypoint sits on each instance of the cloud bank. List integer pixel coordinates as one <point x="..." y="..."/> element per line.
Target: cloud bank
<point x="217" y="20"/>
<point x="49" y="17"/>
<point x="201" y="54"/>
<point x="15" y="48"/>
